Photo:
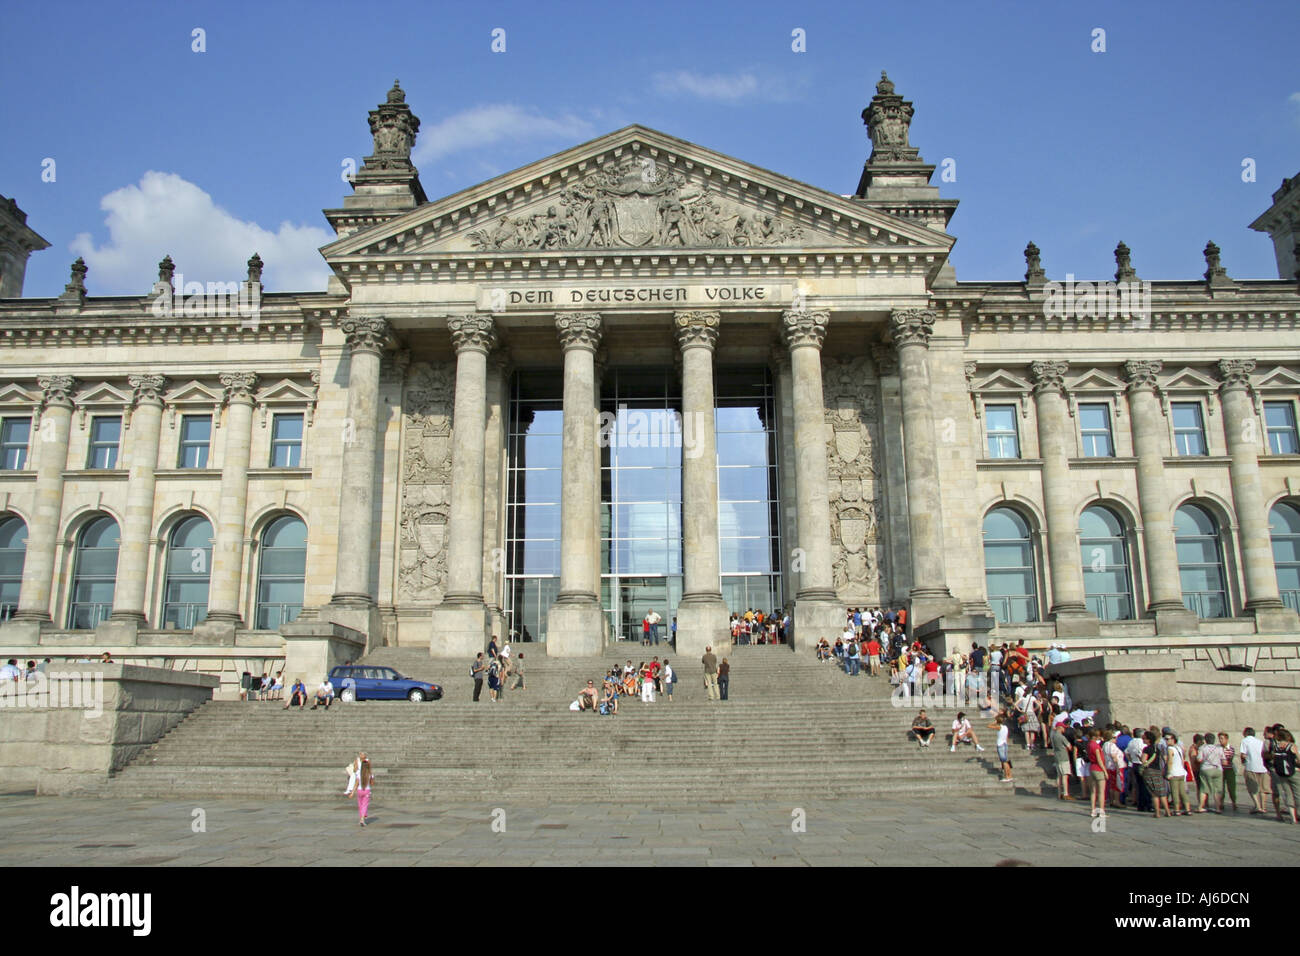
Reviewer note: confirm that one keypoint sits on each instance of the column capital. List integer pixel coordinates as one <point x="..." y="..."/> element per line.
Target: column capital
<point x="912" y="327"/>
<point x="1049" y="376"/>
<point x="56" y="390"/>
<point x="886" y="360"/>
<point x="146" y="389"/>
<point x="696" y="327"/>
<point x="237" y="387"/>
<point x="1235" y="373"/>
<point x="367" y="334"/>
<point x="578" y="330"/>
<point x="804" y="327"/>
<point x="1141" y="374"/>
<point x="472" y="333"/>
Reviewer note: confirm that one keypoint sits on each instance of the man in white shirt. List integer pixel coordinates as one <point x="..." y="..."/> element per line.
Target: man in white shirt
<point x="962" y="731"/>
<point x="654" y="619"/>
<point x="1252" y="756"/>
<point x="11" y="671"/>
<point x="324" y="694"/>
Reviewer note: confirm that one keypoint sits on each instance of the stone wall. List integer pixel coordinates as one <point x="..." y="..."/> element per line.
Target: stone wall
<point x="91" y="724"/>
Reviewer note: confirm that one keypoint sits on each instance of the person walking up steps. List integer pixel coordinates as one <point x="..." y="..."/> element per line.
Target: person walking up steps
<point x="365" y="781"/>
<point x="476" y="671"/>
<point x="710" y="662"/>
<point x="669" y="678"/>
<point x="724" y="678"/>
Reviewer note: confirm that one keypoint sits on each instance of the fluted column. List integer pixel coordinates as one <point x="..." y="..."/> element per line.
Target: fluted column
<point x="367" y="338"/>
<point x="817" y="608"/>
<point x="228" y="550"/>
<point x="1244" y="435"/>
<point x="573" y="623"/>
<point x="461" y="622"/>
<point x="137" y="524"/>
<point x="701" y="615"/>
<point x="780" y="360"/>
<point x="51" y="454"/>
<point x="911" y="330"/>
<point x="1055" y="442"/>
<point x="1165" y="590"/>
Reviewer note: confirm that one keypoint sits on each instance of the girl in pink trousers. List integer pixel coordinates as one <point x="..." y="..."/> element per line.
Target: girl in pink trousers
<point x="365" y="780"/>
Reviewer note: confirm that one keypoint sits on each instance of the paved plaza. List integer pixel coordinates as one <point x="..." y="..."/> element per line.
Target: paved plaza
<point x="89" y="831"/>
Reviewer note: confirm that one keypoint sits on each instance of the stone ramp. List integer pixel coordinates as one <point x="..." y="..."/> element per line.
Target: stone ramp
<point x="794" y="730"/>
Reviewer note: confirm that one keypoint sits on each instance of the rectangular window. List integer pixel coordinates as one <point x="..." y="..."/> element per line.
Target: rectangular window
<point x="105" y="435"/>
<point x="1094" y="422"/>
<point x="286" y="441"/>
<point x="1000" y="422"/>
<point x="196" y="436"/>
<point x="1189" y="429"/>
<point x="1279" y="418"/>
<point x="13" y="443"/>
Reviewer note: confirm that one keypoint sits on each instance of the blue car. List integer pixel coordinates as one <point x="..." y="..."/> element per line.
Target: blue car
<point x="361" y="682"/>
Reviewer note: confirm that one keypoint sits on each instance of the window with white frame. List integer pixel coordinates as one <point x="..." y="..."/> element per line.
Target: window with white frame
<point x="1094" y="427"/>
<point x="1279" y="419"/>
<point x="105" y="437"/>
<point x="15" y="433"/>
<point x="286" y="441"/>
<point x="196" y="438"/>
<point x="1000" y="427"/>
<point x="1189" y="429"/>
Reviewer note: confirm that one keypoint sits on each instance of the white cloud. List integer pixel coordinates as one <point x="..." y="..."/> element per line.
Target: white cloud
<point x="714" y="86"/>
<point x="168" y="215"/>
<point x="492" y="124"/>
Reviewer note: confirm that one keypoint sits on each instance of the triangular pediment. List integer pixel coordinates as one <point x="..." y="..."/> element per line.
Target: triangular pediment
<point x="636" y="191"/>
<point x="103" y="394"/>
<point x="1003" y="381"/>
<point x="284" y="392"/>
<point x="1190" y="379"/>
<point x="1097" y="381"/>
<point x="1279" y="378"/>
<point x="12" y="394"/>
<point x="194" y="393"/>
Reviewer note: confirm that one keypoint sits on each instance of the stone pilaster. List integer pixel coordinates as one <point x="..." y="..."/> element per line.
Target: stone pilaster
<point x="228" y="550"/>
<point x="574" y="627"/>
<point x="137" y="524"/>
<point x="895" y="485"/>
<point x="1244" y="434"/>
<point x="51" y="455"/>
<point x="493" y="477"/>
<point x="817" y="610"/>
<point x="702" y="615"/>
<point x="930" y="598"/>
<point x="460" y="622"/>
<point x="1164" y="585"/>
<point x="1069" y="607"/>
<point x="780" y="360"/>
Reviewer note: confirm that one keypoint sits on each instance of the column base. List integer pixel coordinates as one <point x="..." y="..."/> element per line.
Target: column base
<point x="1075" y="622"/>
<point x="219" y="631"/>
<point x="460" y="630"/>
<point x="575" y="630"/>
<point x="118" y="631"/>
<point x="702" y="624"/>
<point x="1273" y="618"/>
<point x="929" y="604"/>
<point x="25" y="630"/>
<point x="814" y="620"/>
<point x="1174" y="619"/>
<point x="363" y="618"/>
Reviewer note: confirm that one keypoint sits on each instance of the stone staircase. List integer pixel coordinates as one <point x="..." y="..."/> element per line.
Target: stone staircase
<point x="794" y="729"/>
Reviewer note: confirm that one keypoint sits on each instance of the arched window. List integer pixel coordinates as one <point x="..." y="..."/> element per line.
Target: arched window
<point x="282" y="571"/>
<point x="94" y="574"/>
<point x="1009" y="567"/>
<point x="1284" y="527"/>
<point x="189" y="567"/>
<point x="13" y="553"/>
<point x="1104" y="552"/>
<point x="1200" y="562"/>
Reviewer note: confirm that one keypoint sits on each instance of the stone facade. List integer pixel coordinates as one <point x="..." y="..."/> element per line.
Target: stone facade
<point x="640" y="250"/>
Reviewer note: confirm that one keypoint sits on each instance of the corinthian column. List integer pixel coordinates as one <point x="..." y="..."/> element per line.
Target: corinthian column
<point x="137" y="524"/>
<point x="367" y="339"/>
<point x="573" y="624"/>
<point x="1243" y="434"/>
<point x="930" y="597"/>
<point x="460" y="622"/>
<point x="51" y="454"/>
<point x="701" y="615"/>
<point x="1055" y="439"/>
<point x="228" y="549"/>
<point x="1164" y="586"/>
<point x="817" y="610"/>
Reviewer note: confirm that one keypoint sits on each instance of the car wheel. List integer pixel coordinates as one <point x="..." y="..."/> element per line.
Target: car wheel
<point x="348" y="696"/>
<point x="415" y="696"/>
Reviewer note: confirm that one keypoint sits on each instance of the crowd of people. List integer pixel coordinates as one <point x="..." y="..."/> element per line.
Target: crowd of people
<point x="501" y="665"/>
<point x="760" y="627"/>
<point x="646" y="680"/>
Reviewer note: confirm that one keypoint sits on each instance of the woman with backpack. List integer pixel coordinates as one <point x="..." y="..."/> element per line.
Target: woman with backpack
<point x="1284" y="766"/>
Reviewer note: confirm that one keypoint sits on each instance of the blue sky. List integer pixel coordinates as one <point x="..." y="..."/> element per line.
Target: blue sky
<point x="1052" y="141"/>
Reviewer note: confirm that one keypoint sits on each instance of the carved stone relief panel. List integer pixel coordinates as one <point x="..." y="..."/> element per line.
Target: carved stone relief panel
<point x="426" y="482"/>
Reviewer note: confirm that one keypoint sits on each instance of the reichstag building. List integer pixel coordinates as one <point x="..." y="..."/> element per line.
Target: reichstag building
<point x="642" y="375"/>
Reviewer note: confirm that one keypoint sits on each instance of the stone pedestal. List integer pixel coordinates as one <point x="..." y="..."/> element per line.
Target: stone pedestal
<point x="576" y="630"/>
<point x="311" y="648"/>
<point x="118" y="632"/>
<point x="361" y="617"/>
<point x="814" y="620"/>
<point x="702" y="623"/>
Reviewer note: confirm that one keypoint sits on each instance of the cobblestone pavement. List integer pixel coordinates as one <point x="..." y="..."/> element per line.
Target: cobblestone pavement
<point x="78" y="832"/>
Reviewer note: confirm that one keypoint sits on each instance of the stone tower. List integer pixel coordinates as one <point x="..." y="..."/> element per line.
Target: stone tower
<point x="17" y="242"/>
<point x="1282" y="223"/>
